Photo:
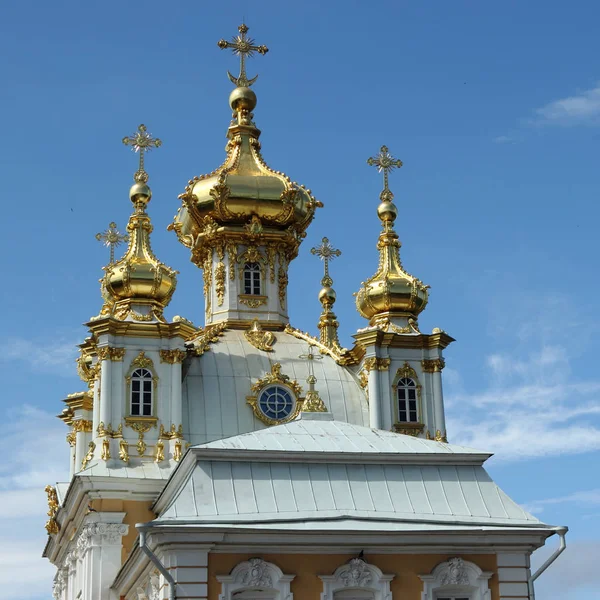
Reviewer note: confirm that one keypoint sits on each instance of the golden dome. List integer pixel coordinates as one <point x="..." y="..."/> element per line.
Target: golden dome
<point x="138" y="286"/>
<point x="391" y="294"/>
<point x="244" y="196"/>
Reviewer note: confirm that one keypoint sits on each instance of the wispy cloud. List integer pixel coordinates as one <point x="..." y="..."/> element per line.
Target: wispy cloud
<point x="504" y="139"/>
<point x="584" y="498"/>
<point x="55" y="356"/>
<point x="35" y="441"/>
<point x="582" y="108"/>
<point x="532" y="404"/>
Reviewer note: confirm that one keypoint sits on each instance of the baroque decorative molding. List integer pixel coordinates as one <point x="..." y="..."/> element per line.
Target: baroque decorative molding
<point x="357" y="573"/>
<point x="434" y="365"/>
<point x="456" y="573"/>
<point x="52" y="526"/>
<point x="259" y="338"/>
<point x="375" y="363"/>
<point x="252" y="301"/>
<point x="142" y="361"/>
<point x="82" y="426"/>
<point x="252" y="574"/>
<point x="201" y="342"/>
<point x="172" y="433"/>
<point x="100" y="534"/>
<point x="172" y="356"/>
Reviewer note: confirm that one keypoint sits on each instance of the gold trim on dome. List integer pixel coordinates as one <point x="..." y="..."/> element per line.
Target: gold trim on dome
<point x="434" y="365"/>
<point x="275" y="377"/>
<point x="202" y="341"/>
<point x="342" y="357"/>
<point x="259" y="338"/>
<point x="172" y="356"/>
<point x="252" y="301"/>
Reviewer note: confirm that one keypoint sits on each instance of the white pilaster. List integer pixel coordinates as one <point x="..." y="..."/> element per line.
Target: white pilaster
<point x="438" y="402"/>
<point x="374" y="400"/>
<point x="105" y="394"/>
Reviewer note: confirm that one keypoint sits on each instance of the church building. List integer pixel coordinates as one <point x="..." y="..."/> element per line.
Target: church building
<point x="247" y="459"/>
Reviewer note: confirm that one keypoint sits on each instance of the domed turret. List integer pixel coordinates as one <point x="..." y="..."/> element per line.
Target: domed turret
<point x="244" y="213"/>
<point x="392" y="298"/>
<point x="139" y="286"/>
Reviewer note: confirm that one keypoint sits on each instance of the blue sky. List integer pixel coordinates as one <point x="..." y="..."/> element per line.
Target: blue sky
<point x="494" y="109"/>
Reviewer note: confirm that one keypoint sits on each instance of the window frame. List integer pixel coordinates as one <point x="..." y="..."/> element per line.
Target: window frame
<point x="358" y="575"/>
<point x="141" y="362"/>
<point x="252" y="285"/>
<point x="253" y="578"/>
<point x="456" y="578"/>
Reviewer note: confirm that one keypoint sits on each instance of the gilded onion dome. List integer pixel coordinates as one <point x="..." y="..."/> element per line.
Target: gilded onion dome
<point x="392" y="297"/>
<point x="244" y="196"/>
<point x="138" y="286"/>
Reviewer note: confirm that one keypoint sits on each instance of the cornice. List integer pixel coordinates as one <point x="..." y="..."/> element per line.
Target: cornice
<point x="109" y="326"/>
<point x="377" y="337"/>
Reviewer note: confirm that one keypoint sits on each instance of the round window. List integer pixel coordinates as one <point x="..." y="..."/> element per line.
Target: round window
<point x="276" y="402"/>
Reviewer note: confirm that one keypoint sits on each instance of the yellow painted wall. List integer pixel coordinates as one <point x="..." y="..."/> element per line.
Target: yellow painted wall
<point x="307" y="568"/>
<point x="136" y="512"/>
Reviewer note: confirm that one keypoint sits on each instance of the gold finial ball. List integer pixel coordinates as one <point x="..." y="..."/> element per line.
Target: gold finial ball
<point x="140" y="192"/>
<point x="387" y="211"/>
<point x="242" y="98"/>
<point x="327" y="295"/>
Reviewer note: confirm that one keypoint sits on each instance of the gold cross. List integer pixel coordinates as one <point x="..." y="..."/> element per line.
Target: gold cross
<point x="112" y="238"/>
<point x="385" y="162"/>
<point x="310" y="357"/>
<point x="326" y="252"/>
<point x="242" y="47"/>
<point x="142" y="142"/>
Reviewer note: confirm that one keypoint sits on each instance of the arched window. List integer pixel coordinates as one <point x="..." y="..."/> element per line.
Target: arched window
<point x="407" y="401"/>
<point x="456" y="579"/>
<point x="141" y="393"/>
<point x="252" y="279"/>
<point x="255" y="579"/>
<point x="356" y="580"/>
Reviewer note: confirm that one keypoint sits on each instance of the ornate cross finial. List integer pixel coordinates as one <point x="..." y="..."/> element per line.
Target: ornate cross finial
<point x="142" y="142"/>
<point x="385" y="162"/>
<point x="242" y="46"/>
<point x="326" y="252"/>
<point x="112" y="238"/>
<point x="310" y="357"/>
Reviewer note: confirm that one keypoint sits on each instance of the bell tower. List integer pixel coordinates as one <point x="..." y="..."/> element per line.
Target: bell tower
<point x="244" y="222"/>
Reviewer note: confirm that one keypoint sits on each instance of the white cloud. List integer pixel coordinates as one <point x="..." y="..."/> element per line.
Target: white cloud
<point x="582" y="108"/>
<point x="583" y="498"/>
<point x="504" y="139"/>
<point x="57" y="357"/>
<point x="35" y="442"/>
<point x="532" y="404"/>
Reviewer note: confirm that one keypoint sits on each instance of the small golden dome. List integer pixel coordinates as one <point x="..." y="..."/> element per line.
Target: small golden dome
<point x="139" y="285"/>
<point x="242" y="98"/>
<point x="391" y="293"/>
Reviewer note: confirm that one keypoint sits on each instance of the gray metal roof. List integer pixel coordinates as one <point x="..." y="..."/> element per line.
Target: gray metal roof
<point x="317" y="470"/>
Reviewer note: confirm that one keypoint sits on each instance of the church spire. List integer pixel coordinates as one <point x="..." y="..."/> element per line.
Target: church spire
<point x="392" y="299"/>
<point x="328" y="323"/>
<point x="138" y="286"/>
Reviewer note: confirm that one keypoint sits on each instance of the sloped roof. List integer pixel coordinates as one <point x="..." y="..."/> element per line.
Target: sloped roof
<point x="321" y="470"/>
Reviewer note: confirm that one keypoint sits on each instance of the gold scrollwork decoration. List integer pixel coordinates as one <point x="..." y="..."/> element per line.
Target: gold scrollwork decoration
<point x="159" y="451"/>
<point x="375" y="363"/>
<point x="412" y="429"/>
<point x="259" y="338"/>
<point x="252" y="301"/>
<point x="202" y="341"/>
<point x="52" y="526"/>
<point x="220" y="276"/>
<point x="142" y="361"/>
<point x="109" y="431"/>
<point x="105" y="453"/>
<point x="172" y="434"/>
<point x="82" y="426"/>
<point x="434" y="365"/>
<point x="141" y="425"/>
<point x="177" y="451"/>
<point x="89" y="455"/>
<point x="275" y="377"/>
<point x="124" y="451"/>
<point x="172" y="356"/>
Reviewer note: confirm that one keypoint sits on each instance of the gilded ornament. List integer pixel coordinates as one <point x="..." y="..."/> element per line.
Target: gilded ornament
<point x="103" y="353"/>
<point x="105" y="453"/>
<point x="141" y="142"/>
<point x="89" y="455"/>
<point x="140" y="425"/>
<point x="172" y="434"/>
<point x="112" y="238"/>
<point x="117" y="354"/>
<point x="440" y="437"/>
<point x="71" y="438"/>
<point x="124" y="451"/>
<point x="201" y="342"/>
<point x="259" y="338"/>
<point x="109" y="431"/>
<point x="159" y="451"/>
<point x="254" y="227"/>
<point x="141" y="445"/>
<point x="274" y="377"/>
<point x="243" y="47"/>
<point x="220" y="283"/>
<point x="412" y="429"/>
<point x="252" y="301"/>
<point x="207" y="278"/>
<point x="363" y="378"/>
<point x="282" y="280"/>
<point x="375" y="363"/>
<point x="82" y="426"/>
<point x="177" y="451"/>
<point x="52" y="526"/>
<point x="142" y="361"/>
<point x="271" y="262"/>
<point x="172" y="356"/>
<point x="343" y="357"/>
<point x="434" y="365"/>
<point x="231" y="259"/>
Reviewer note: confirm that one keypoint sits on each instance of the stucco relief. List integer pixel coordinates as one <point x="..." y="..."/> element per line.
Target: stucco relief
<point x="357" y="573"/>
<point x="255" y="574"/>
<point x="457" y="576"/>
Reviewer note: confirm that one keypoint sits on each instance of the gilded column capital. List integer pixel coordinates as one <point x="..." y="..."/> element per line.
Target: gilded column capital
<point x="103" y="353"/>
<point x="117" y="354"/>
<point x="82" y="426"/>
<point x="434" y="365"/>
<point x="375" y="363"/>
<point x="172" y="356"/>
